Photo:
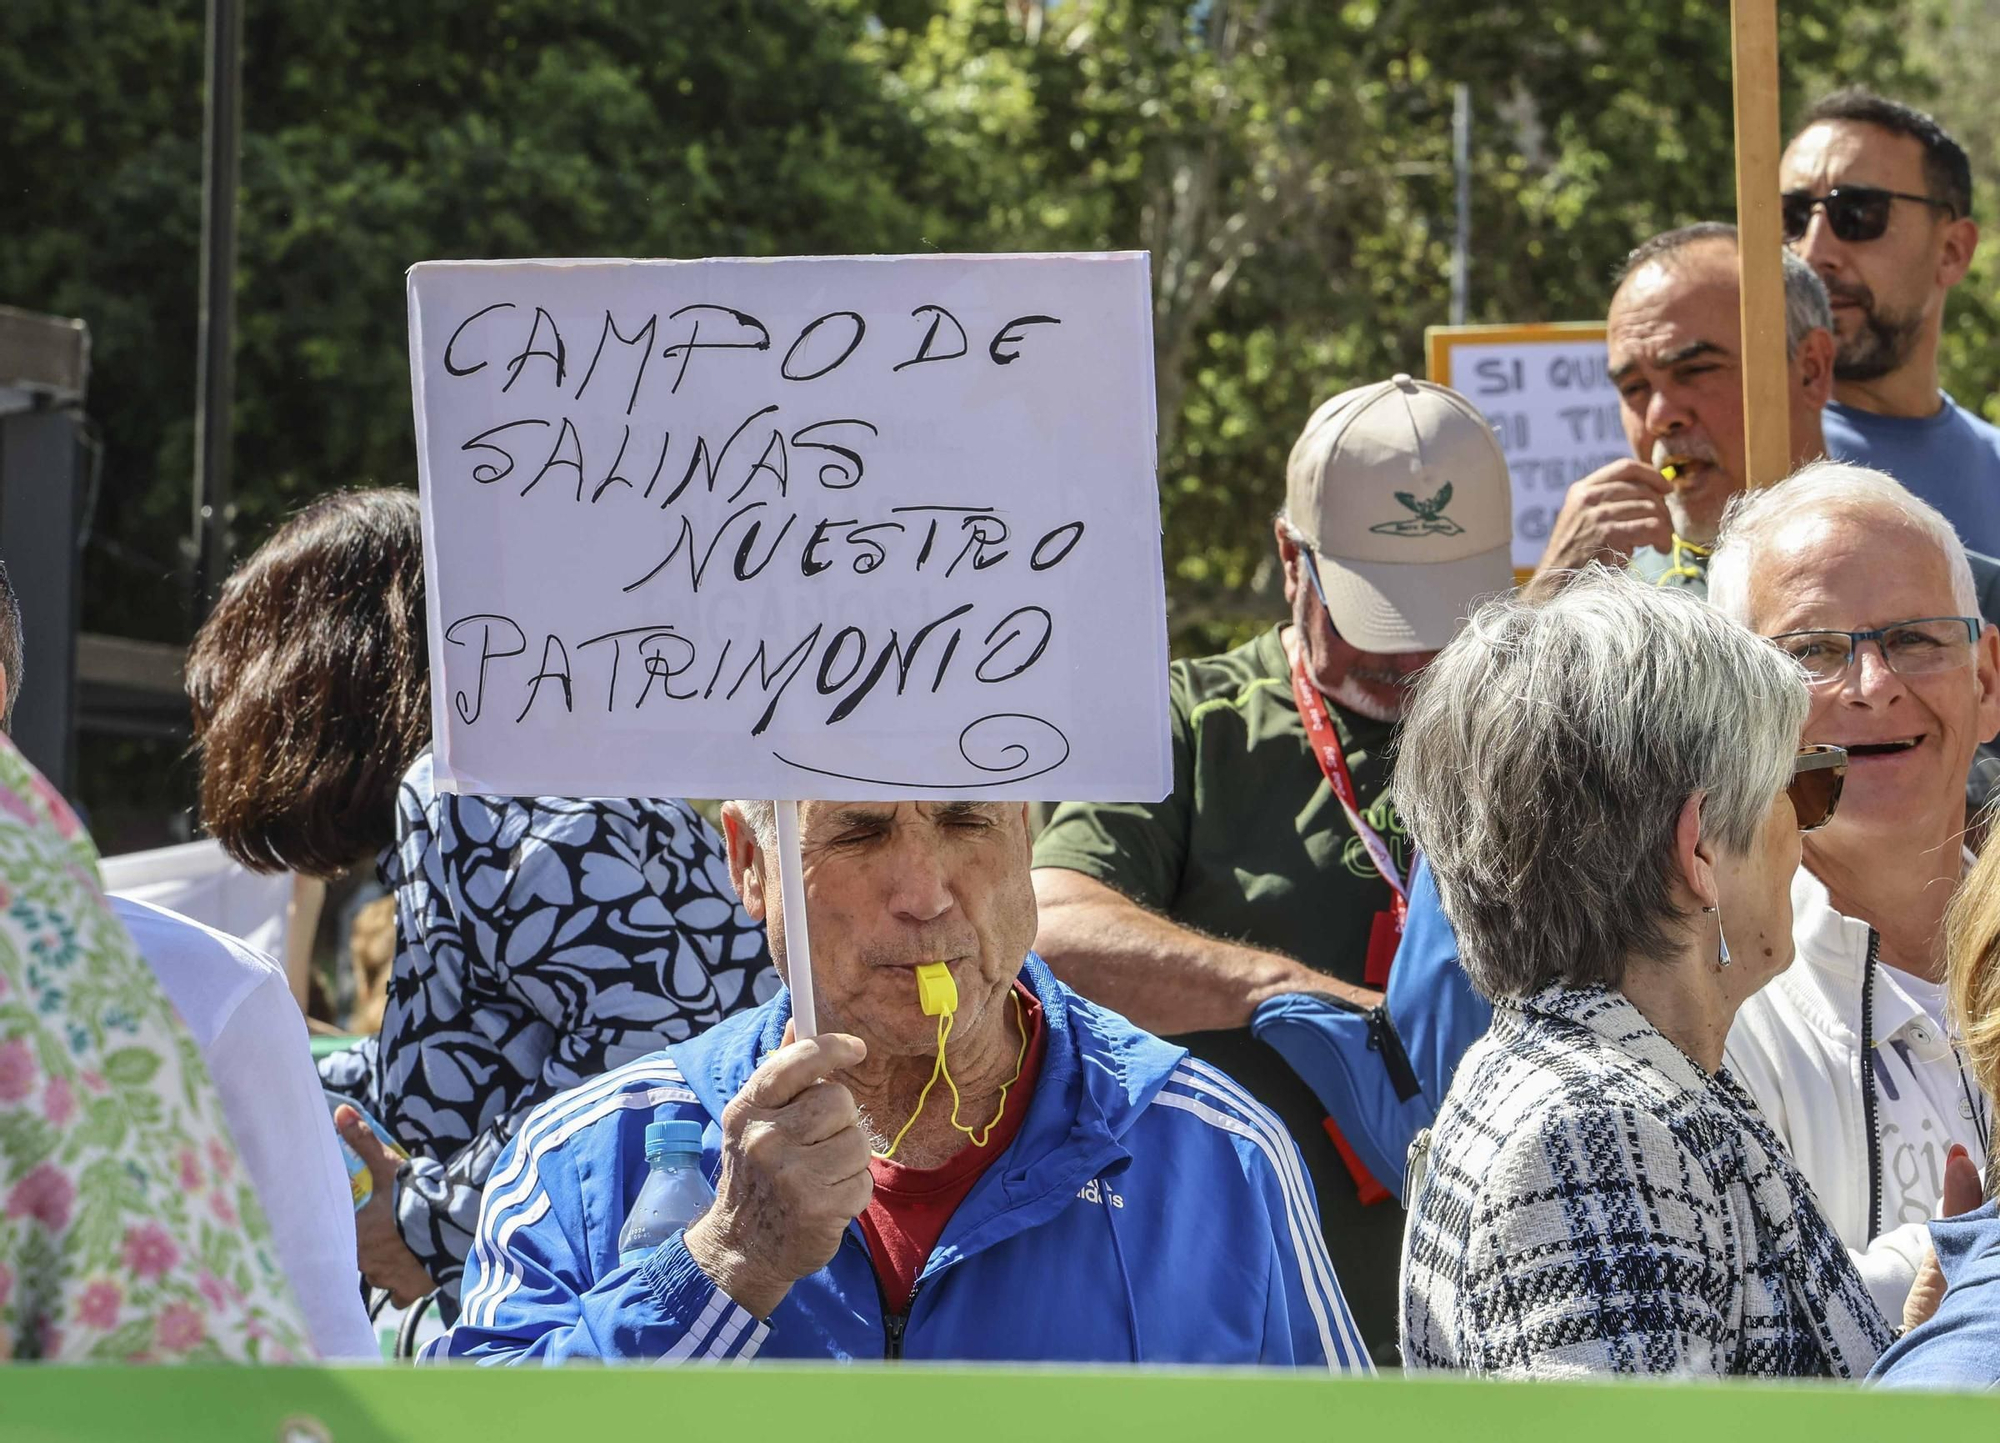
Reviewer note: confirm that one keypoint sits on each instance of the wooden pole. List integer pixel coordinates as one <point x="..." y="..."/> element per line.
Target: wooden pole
<point x="798" y="940"/>
<point x="1461" y="168"/>
<point x="301" y="926"/>
<point x="1767" y="424"/>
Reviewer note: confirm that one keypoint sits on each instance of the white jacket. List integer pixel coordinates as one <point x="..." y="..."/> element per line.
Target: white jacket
<point x="1796" y="1046"/>
<point x="239" y="1007"/>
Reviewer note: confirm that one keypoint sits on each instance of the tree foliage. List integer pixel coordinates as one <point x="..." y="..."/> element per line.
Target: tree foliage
<point x="1286" y="162"/>
<point x="1288" y="165"/>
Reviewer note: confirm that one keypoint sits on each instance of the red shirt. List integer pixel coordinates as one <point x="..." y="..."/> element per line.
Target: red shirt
<point x="905" y="1218"/>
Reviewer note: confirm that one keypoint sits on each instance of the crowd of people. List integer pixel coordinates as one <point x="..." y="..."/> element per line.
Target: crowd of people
<point x="1596" y="977"/>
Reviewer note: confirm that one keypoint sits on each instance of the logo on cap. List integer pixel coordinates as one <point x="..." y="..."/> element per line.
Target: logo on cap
<point x="1429" y="519"/>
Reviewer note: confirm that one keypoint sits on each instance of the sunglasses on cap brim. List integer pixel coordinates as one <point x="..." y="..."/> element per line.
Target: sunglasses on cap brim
<point x="1818" y="773"/>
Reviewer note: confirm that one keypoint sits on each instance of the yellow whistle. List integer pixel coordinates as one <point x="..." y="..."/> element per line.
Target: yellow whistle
<point x="937" y="994"/>
<point x="1671" y="472"/>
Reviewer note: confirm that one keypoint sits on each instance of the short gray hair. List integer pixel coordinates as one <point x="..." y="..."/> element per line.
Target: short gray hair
<point x="1807" y="306"/>
<point x="1826" y="488"/>
<point x="1546" y="757"/>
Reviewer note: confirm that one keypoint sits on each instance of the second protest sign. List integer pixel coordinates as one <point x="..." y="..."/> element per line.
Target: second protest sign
<point x="1547" y="392"/>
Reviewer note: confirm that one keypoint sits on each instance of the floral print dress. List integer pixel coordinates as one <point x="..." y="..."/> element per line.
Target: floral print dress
<point x="129" y="1231"/>
<point x="540" y="942"/>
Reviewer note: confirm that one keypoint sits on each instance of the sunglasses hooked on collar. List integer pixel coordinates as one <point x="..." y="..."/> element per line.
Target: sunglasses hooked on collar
<point x="1855" y="212"/>
<point x="1818" y="773"/>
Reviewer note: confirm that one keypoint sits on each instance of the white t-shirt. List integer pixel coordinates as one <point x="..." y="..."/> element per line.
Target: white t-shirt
<point x="236" y="1003"/>
<point x="1921" y="1091"/>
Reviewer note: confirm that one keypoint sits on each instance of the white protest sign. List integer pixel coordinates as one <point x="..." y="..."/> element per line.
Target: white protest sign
<point x="1546" y="390"/>
<point x="854" y="528"/>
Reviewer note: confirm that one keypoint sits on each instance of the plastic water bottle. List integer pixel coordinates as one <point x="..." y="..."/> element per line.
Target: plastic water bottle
<point x="675" y="1193"/>
<point x="360" y="1181"/>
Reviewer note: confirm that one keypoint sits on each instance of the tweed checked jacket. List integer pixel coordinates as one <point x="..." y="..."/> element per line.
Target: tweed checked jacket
<point x="1596" y="1203"/>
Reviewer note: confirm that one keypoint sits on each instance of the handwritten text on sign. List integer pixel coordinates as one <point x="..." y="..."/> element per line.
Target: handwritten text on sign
<point x="835" y="528"/>
<point x="1547" y="392"/>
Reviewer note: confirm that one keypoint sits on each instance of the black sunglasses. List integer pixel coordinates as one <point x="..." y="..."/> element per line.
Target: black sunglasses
<point x="1818" y="774"/>
<point x="1856" y="212"/>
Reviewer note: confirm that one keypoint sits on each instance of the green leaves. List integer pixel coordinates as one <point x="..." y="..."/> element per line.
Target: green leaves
<point x="103" y="1124"/>
<point x="108" y="1198"/>
<point x="131" y="1066"/>
<point x="25" y="1140"/>
<point x="123" y="1343"/>
<point x="1287" y="162"/>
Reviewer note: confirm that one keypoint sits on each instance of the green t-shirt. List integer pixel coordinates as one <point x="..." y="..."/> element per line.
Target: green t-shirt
<point x="1253" y="846"/>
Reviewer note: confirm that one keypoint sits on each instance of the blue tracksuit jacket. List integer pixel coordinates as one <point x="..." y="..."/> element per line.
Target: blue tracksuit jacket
<point x="1148" y="1211"/>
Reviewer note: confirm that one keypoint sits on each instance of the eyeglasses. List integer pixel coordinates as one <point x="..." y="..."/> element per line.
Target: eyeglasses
<point x="1909" y="648"/>
<point x="1818" y="774"/>
<point x="1856" y="212"/>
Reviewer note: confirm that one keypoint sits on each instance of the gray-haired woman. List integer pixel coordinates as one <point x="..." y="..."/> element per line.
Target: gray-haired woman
<point x="1610" y="791"/>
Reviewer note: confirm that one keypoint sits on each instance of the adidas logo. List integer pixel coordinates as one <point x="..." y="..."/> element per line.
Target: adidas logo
<point x="1101" y="1193"/>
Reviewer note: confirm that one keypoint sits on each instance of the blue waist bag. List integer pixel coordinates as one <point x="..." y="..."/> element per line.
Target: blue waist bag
<point x="1356" y="1066"/>
<point x="1381" y="1072"/>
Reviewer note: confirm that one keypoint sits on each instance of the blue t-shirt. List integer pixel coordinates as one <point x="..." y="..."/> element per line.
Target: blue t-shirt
<point x="1951" y="459"/>
<point x="1960" y="1346"/>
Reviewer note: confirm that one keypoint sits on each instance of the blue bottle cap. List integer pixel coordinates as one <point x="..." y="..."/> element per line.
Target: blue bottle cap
<point x="678" y="1135"/>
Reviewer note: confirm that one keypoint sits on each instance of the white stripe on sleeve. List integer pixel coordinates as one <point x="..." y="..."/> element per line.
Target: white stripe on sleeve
<point x="517" y="1182"/>
<point x="698" y="1332"/>
<point x="1316" y="1274"/>
<point x="1290" y="1169"/>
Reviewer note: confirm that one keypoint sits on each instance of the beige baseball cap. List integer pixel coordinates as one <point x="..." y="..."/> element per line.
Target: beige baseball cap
<point x="1401" y="492"/>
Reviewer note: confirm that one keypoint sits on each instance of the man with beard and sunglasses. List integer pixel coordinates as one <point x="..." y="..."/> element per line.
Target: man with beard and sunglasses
<point x="1878" y="201"/>
<point x="1277" y="867"/>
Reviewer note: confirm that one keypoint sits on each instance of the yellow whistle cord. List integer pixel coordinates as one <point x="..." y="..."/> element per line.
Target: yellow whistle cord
<point x="1680" y="562"/>
<point x="982" y="1135"/>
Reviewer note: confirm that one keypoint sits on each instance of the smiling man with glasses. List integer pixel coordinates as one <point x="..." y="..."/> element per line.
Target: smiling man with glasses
<point x="1878" y="201"/>
<point x="1847" y="1051"/>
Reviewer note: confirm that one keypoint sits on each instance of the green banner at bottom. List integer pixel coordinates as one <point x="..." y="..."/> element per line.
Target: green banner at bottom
<point x="940" y="1405"/>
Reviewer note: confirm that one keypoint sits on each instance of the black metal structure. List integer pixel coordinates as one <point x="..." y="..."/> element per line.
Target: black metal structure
<point x="44" y="369"/>
<point x="222" y="115"/>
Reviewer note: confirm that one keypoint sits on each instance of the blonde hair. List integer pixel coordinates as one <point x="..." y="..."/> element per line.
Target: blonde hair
<point x="1972" y="978"/>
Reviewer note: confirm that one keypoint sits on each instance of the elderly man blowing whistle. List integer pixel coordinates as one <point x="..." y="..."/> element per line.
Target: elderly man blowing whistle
<point x="968" y="1162"/>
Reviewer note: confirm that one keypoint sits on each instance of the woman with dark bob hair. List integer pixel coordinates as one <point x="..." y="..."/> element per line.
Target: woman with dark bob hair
<point x="310" y="685"/>
<point x="1610" y="790"/>
<point x="539" y="941"/>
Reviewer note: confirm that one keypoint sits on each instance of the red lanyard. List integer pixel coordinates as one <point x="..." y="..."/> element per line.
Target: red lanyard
<point x="1327" y="751"/>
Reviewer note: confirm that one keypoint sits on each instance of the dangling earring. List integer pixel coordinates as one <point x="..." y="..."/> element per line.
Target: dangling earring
<point x="1723" y="959"/>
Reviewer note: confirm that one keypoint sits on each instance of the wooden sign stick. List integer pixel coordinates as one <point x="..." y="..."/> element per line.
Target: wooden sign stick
<point x="798" y="941"/>
<point x="1767" y="423"/>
